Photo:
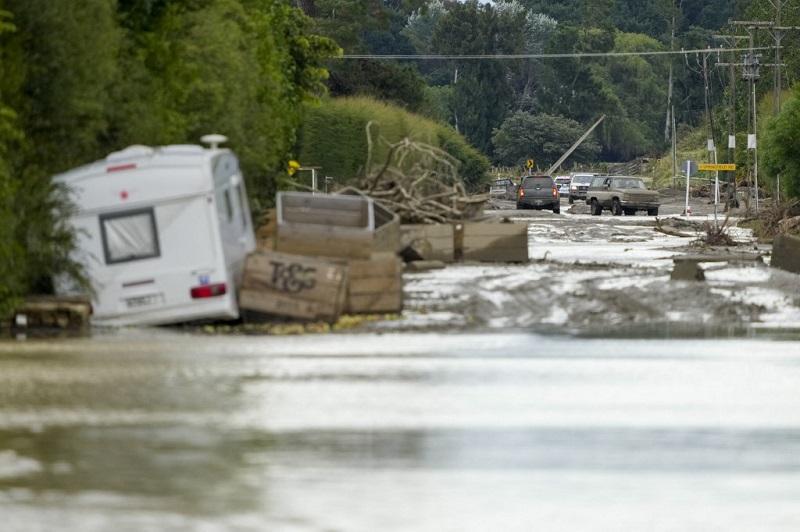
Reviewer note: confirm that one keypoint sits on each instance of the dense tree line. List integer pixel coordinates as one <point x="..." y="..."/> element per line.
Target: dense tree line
<point x="489" y="100"/>
<point x="477" y="97"/>
<point x="81" y="79"/>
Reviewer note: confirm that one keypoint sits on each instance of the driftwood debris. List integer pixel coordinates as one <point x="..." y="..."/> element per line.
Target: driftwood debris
<point x="417" y="181"/>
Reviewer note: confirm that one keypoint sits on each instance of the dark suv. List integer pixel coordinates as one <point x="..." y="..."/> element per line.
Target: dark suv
<point x="538" y="192"/>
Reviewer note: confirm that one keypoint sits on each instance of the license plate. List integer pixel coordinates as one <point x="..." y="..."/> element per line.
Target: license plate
<point x="143" y="301"/>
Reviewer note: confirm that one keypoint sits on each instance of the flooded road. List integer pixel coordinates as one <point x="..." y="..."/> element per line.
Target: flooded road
<point x="160" y="430"/>
<point x="563" y="394"/>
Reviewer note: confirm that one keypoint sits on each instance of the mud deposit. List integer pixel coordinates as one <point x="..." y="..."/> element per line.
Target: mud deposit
<point x="607" y="276"/>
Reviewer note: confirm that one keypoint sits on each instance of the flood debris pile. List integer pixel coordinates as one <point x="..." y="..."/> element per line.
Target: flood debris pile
<point x="716" y="234"/>
<point x="418" y="182"/>
<point x="678" y="227"/>
<point x="776" y="219"/>
<point x="321" y="256"/>
<point x="50" y="312"/>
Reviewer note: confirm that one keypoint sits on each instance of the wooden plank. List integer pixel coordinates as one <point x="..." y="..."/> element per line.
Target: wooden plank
<point x="375" y="284"/>
<point x="327" y="217"/>
<point x="62" y="312"/>
<point x="324" y="242"/>
<point x="495" y="242"/>
<point x="378" y="265"/>
<point x="376" y="302"/>
<point x="270" y="302"/>
<point x="474" y="229"/>
<point x="725" y="257"/>
<point x="431" y="242"/>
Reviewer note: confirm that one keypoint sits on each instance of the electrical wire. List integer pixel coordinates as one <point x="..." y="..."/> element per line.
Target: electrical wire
<point x="427" y="57"/>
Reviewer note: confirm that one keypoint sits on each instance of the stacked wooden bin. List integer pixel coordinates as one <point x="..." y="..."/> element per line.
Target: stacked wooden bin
<point x="323" y="255"/>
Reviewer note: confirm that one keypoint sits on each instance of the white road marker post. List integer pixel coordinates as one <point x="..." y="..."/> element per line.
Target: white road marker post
<point x="686" y="211"/>
<point x="716" y="199"/>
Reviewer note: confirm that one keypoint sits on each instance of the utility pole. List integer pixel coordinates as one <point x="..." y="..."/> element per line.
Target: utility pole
<point x="712" y="148"/>
<point x="731" y="42"/>
<point x="670" y="107"/>
<point x="751" y="66"/>
<point x="674" y="151"/>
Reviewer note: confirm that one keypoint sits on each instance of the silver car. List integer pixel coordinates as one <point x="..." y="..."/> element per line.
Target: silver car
<point x="503" y="189"/>
<point x="562" y="182"/>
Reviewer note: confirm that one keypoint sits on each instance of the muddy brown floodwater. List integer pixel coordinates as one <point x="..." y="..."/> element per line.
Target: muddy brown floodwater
<point x="509" y="398"/>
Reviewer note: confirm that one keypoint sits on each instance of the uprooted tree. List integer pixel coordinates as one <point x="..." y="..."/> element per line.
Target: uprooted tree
<point x="417" y="181"/>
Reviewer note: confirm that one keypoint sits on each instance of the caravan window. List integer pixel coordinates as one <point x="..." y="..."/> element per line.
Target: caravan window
<point x="228" y="206"/>
<point x="129" y="235"/>
<point x="242" y="204"/>
<point x="224" y="205"/>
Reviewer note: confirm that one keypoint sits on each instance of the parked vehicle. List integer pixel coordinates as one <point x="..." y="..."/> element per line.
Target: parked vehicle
<point x="538" y="192"/>
<point x="503" y="189"/>
<point x="563" y="182"/>
<point x="579" y="184"/>
<point x="163" y="233"/>
<point x="621" y="195"/>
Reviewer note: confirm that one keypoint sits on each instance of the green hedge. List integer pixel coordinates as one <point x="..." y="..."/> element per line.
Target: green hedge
<point x="333" y="136"/>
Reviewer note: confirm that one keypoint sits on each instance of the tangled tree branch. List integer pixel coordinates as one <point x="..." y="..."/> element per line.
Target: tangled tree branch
<point x="417" y="181"/>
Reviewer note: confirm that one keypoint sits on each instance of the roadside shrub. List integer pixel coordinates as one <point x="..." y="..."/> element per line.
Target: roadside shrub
<point x="333" y="136"/>
<point x="781" y="151"/>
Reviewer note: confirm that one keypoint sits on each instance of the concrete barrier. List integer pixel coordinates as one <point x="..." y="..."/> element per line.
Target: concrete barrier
<point x="786" y="253"/>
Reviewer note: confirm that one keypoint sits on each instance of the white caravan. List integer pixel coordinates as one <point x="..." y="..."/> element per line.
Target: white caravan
<point x="163" y="232"/>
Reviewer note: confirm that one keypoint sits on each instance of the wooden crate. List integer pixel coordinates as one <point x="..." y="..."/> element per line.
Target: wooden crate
<point x="429" y="242"/>
<point x="323" y="241"/>
<point x="324" y="225"/>
<point x="375" y="285"/>
<point x="294" y="286"/>
<point x="495" y="242"/>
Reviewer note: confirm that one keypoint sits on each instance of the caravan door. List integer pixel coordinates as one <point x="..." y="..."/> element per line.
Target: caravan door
<point x="236" y="226"/>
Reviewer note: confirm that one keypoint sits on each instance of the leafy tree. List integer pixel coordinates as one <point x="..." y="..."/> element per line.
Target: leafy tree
<point x="482" y="92"/>
<point x="780" y="148"/>
<point x="709" y="14"/>
<point x="597" y="14"/>
<point x="64" y="58"/>
<point x="11" y="253"/>
<point x="345" y="21"/>
<point x="397" y="83"/>
<point x="421" y="24"/>
<point x="78" y="81"/>
<point x="244" y="68"/>
<point x="56" y="70"/>
<point x="542" y="137"/>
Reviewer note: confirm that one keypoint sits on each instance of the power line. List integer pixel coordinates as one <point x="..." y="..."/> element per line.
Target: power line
<point x="427" y="57"/>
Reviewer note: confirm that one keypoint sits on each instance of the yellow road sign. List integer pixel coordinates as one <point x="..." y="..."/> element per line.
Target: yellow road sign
<point x="709" y="167"/>
<point x="529" y="163"/>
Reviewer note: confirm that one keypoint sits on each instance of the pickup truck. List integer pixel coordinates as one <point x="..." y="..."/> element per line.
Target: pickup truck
<point x="621" y="195"/>
<point x="538" y="192"/>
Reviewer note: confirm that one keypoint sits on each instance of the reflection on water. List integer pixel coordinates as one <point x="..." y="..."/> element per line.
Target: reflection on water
<point x="163" y="431"/>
